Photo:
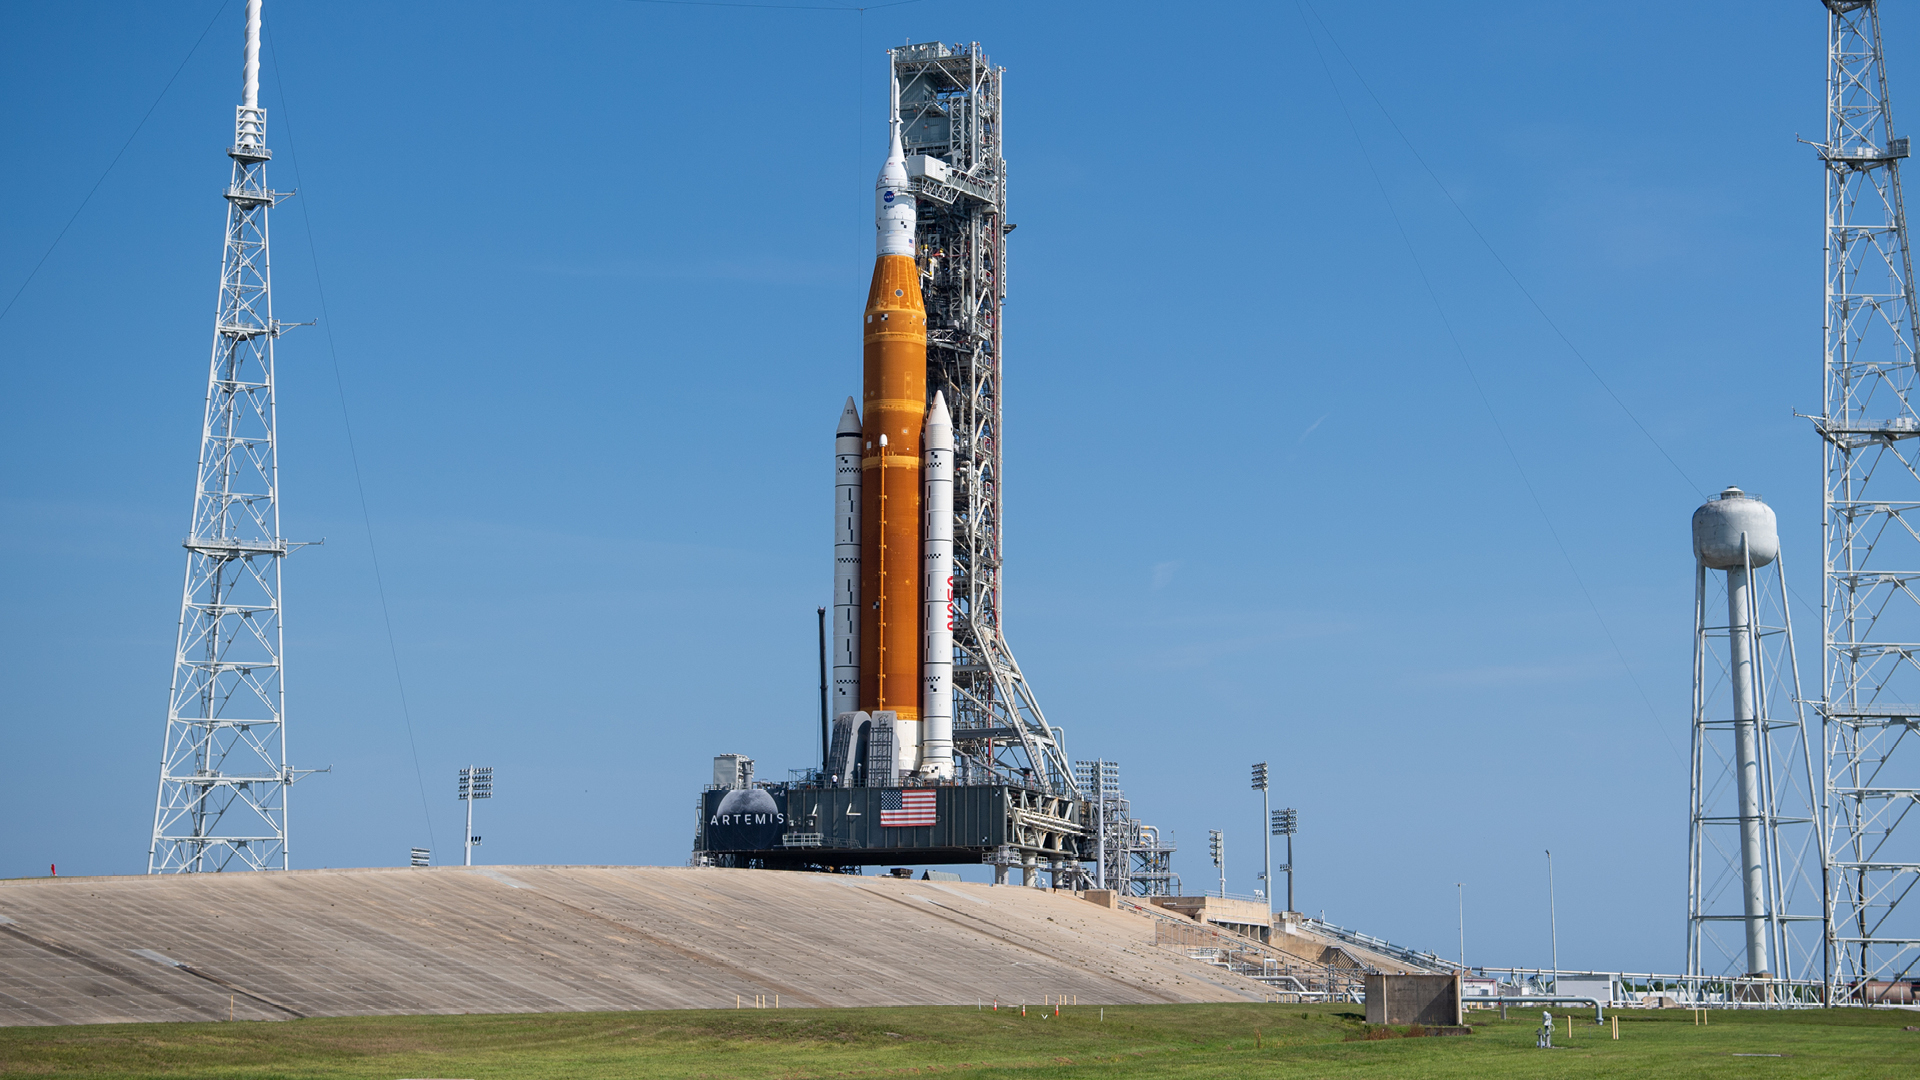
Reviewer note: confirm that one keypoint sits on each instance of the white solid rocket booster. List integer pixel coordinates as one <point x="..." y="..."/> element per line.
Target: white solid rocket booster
<point x="846" y="562"/>
<point x="936" y="592"/>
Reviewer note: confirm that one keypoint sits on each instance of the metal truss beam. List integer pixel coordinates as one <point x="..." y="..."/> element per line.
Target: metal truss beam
<point x="1870" y="694"/>
<point x="950" y="101"/>
<point x="222" y="800"/>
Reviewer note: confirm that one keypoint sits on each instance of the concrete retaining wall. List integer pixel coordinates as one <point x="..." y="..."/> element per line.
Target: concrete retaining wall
<point x="560" y="938"/>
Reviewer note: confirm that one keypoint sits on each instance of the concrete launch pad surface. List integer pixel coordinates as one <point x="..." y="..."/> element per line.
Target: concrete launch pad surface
<point x="560" y="938"/>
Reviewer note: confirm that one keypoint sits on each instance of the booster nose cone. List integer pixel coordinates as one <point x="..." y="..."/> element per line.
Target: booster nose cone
<point x="849" y="420"/>
<point x="940" y="421"/>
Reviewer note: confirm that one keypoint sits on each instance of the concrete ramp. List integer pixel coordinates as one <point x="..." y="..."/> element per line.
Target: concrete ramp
<point x="560" y="938"/>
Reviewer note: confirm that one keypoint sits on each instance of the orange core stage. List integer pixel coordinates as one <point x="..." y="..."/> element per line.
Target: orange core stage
<point x="894" y="405"/>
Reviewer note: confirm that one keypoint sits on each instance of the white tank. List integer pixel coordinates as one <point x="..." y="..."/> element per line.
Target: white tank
<point x="1718" y="524"/>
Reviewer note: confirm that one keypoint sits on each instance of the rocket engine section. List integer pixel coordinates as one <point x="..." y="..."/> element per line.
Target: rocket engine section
<point x="889" y="661"/>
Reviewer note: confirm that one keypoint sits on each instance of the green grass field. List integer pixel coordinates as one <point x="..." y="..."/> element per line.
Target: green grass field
<point x="1132" y="1041"/>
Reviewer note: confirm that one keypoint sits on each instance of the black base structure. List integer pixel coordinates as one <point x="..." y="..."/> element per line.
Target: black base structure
<point x="810" y="827"/>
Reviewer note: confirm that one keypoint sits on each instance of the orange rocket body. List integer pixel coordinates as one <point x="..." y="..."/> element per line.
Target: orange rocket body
<point x="894" y="406"/>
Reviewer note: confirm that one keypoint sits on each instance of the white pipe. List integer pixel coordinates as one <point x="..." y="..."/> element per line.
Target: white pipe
<point x="846" y="562"/>
<point x="936" y="591"/>
<point x="250" y="92"/>
<point x="1746" y="743"/>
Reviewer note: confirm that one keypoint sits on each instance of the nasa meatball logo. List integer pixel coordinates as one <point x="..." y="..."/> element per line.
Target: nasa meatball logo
<point x="750" y="807"/>
<point x="887" y="197"/>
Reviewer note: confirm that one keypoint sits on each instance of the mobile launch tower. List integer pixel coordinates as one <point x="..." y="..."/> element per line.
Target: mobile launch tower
<point x="222" y="801"/>
<point x="939" y="751"/>
<point x="951" y="130"/>
<point x="1869" y="700"/>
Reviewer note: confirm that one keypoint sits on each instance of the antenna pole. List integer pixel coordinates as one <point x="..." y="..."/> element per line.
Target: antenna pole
<point x="250" y="82"/>
<point x="222" y="799"/>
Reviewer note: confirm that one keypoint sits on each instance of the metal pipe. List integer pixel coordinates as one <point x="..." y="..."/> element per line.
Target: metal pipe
<point x="1746" y="742"/>
<point x="1599" y="1010"/>
<point x="1266" y="846"/>
<point x="466" y="840"/>
<point x="822" y="613"/>
<point x="1553" y="921"/>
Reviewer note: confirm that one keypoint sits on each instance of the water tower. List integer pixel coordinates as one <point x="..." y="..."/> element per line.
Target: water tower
<point x="1753" y="883"/>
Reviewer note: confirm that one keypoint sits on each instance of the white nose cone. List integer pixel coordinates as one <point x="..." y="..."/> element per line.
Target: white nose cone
<point x="1719" y="525"/>
<point x="893" y="209"/>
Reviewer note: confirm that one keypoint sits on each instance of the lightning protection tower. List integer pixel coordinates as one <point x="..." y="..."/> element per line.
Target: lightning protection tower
<point x="950" y="102"/>
<point x="1870" y="661"/>
<point x="1754" y="897"/>
<point x="224" y="777"/>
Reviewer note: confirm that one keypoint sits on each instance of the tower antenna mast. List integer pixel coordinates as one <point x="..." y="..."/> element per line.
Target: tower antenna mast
<point x="1870" y="659"/>
<point x="222" y="800"/>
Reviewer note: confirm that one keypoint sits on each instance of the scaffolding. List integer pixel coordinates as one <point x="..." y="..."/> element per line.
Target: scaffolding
<point x="1130" y="857"/>
<point x="950" y="109"/>
<point x="1869" y="701"/>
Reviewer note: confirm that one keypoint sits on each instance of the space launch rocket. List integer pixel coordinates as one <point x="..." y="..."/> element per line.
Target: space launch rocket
<point x="893" y="526"/>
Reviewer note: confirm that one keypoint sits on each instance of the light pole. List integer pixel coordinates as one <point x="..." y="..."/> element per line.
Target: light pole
<point x="1553" y="921"/>
<point x="476" y="782"/>
<point x="1284" y="823"/>
<point x="1266" y="842"/>
<point x="1461" y="890"/>
<point x="1217" y="845"/>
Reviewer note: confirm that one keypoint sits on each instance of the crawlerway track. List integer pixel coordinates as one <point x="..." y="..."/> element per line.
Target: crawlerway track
<point x="560" y="938"/>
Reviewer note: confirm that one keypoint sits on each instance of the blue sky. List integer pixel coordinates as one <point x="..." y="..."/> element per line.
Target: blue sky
<point x="592" y="273"/>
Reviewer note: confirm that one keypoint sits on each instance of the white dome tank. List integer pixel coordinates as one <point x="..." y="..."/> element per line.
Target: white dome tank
<point x="1718" y="524"/>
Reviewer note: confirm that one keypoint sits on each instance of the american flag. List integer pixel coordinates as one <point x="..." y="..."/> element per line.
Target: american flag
<point x="902" y="808"/>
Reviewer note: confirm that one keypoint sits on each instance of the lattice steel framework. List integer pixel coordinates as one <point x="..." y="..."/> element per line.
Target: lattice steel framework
<point x="1870" y="698"/>
<point x="1129" y="856"/>
<point x="950" y="103"/>
<point x="1787" y="824"/>
<point x="224" y="777"/>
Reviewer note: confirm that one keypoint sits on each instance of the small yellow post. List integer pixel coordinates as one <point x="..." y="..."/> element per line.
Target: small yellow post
<point x="229" y="1007"/>
<point x="1616" y="1026"/>
<point x="736" y="1001"/>
<point x="776" y="1001"/>
<point x="1569" y="1026"/>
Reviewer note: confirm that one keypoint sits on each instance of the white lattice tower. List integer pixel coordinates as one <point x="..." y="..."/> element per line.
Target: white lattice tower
<point x="1870" y="695"/>
<point x="222" y="801"/>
